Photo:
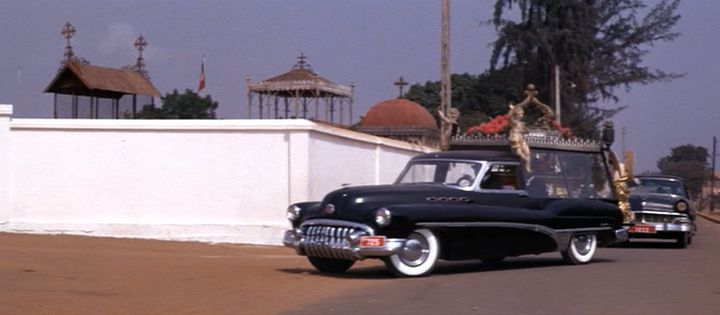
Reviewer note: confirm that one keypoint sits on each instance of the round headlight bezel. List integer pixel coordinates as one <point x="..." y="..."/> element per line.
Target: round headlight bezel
<point x="293" y="213"/>
<point x="682" y="206"/>
<point x="383" y="217"/>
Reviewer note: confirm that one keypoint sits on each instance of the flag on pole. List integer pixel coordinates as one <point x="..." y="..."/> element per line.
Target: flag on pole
<point x="201" y="83"/>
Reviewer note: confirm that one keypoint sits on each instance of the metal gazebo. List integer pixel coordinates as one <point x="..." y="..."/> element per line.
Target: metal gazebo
<point x="296" y="93"/>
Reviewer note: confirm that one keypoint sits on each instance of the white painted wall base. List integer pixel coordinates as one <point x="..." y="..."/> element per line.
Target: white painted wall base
<point x="201" y="180"/>
<point x="212" y="233"/>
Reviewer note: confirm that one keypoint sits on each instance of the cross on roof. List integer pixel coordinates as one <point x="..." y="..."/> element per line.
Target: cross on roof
<point x="68" y="31"/>
<point x="301" y="62"/>
<point x="140" y="44"/>
<point x="400" y="83"/>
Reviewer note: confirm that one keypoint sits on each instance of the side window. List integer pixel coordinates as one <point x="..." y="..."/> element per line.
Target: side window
<point x="462" y="174"/>
<point x="501" y="177"/>
<point x="420" y="173"/>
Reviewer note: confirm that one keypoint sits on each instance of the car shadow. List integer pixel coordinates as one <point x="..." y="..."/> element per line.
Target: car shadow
<point x="639" y="243"/>
<point x="518" y="263"/>
<point x="447" y="268"/>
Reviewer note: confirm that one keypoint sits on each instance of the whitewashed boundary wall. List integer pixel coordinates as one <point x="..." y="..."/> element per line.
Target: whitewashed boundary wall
<point x="201" y="180"/>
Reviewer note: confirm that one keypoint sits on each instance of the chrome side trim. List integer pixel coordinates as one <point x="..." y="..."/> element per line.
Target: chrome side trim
<point x="522" y="226"/>
<point x="560" y="236"/>
<point x="561" y="240"/>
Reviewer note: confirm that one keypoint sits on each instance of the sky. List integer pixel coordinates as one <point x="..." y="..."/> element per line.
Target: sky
<point x="369" y="43"/>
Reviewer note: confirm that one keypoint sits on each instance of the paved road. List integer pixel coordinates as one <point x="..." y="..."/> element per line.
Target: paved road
<point x="84" y="275"/>
<point x="643" y="278"/>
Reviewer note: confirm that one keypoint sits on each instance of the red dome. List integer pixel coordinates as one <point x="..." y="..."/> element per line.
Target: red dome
<point x="398" y="113"/>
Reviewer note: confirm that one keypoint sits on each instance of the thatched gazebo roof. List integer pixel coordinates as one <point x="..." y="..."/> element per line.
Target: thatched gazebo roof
<point x="76" y="78"/>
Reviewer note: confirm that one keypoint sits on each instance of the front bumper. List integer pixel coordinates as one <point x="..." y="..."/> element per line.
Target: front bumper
<point x="338" y="240"/>
<point x="664" y="222"/>
<point x="621" y="235"/>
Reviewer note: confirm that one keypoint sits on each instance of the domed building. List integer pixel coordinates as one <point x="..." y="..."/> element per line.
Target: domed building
<point x="401" y="119"/>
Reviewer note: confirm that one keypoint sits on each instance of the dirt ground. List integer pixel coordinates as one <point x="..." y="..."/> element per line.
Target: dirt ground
<point x="42" y="274"/>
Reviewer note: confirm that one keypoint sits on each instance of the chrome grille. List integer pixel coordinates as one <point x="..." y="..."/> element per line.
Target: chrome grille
<point x="327" y="241"/>
<point x="653" y="218"/>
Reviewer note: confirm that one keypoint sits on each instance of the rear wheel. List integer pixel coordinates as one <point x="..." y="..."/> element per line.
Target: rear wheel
<point x="581" y="250"/>
<point x="417" y="257"/>
<point x="331" y="265"/>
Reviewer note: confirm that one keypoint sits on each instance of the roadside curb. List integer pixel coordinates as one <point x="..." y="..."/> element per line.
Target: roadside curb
<point x="709" y="217"/>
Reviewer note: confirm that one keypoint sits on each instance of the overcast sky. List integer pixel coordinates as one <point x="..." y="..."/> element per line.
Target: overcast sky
<point x="368" y="42"/>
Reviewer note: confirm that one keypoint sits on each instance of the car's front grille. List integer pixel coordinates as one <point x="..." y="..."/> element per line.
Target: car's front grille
<point x="653" y="218"/>
<point x="327" y="241"/>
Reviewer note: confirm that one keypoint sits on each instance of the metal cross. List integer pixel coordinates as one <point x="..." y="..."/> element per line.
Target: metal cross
<point x="401" y="85"/>
<point x="301" y="63"/>
<point x="140" y="44"/>
<point x="68" y="31"/>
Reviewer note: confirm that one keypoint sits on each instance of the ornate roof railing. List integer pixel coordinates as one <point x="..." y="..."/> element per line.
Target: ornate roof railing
<point x="534" y="139"/>
<point x="321" y="86"/>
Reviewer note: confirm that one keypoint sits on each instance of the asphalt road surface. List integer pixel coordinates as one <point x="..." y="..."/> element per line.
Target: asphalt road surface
<point x="83" y="275"/>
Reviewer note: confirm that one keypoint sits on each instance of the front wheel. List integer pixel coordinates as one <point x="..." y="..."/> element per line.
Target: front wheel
<point x="417" y="257"/>
<point x="330" y="265"/>
<point x="581" y="250"/>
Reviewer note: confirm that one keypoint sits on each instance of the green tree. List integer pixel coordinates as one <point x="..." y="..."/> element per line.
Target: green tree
<point x="599" y="46"/>
<point x="478" y="97"/>
<point x="688" y="162"/>
<point x="188" y="105"/>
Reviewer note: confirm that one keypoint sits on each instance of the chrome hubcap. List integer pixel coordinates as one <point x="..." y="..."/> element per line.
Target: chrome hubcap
<point x="415" y="251"/>
<point x="582" y="243"/>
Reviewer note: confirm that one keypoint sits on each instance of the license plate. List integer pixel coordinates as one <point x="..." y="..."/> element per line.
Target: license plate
<point x="642" y="228"/>
<point x="372" y="241"/>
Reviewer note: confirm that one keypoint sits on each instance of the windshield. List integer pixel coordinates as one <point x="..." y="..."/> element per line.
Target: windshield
<point x="659" y="186"/>
<point x="454" y="173"/>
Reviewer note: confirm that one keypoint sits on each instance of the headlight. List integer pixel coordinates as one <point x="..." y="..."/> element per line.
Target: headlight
<point x="293" y="213"/>
<point x="382" y="217"/>
<point x="681" y="206"/>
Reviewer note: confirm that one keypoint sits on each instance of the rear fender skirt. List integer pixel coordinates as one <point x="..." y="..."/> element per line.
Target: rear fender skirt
<point x="561" y="236"/>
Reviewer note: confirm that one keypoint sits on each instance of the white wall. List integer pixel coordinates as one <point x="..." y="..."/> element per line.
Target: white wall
<point x="5" y="113"/>
<point x="207" y="180"/>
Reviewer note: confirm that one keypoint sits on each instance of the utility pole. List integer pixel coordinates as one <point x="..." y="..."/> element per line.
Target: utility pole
<point x="557" y="94"/>
<point x="712" y="176"/>
<point x="445" y="99"/>
<point x="623" y="134"/>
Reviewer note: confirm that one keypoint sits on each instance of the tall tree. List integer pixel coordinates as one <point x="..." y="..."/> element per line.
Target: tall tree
<point x="599" y="46"/>
<point x="688" y="162"/>
<point x="188" y="105"/>
<point x="478" y="97"/>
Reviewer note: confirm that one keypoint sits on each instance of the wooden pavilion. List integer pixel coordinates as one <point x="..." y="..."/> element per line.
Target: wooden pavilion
<point x="294" y="93"/>
<point x="82" y="90"/>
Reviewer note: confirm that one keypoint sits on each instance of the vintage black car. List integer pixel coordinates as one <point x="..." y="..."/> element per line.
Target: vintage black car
<point x="662" y="209"/>
<point x="476" y="201"/>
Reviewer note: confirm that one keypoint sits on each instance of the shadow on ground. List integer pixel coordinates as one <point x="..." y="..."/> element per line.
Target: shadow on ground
<point x="446" y="268"/>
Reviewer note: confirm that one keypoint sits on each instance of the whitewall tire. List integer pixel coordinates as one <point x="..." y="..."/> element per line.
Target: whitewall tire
<point x="581" y="250"/>
<point x="418" y="256"/>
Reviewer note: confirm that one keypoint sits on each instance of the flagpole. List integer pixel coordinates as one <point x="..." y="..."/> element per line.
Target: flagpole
<point x="201" y="81"/>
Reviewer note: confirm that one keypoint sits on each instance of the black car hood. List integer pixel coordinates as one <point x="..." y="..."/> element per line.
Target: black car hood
<point x="654" y="202"/>
<point x="359" y="203"/>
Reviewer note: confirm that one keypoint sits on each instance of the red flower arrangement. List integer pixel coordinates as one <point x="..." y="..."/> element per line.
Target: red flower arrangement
<point x="564" y="131"/>
<point x="499" y="124"/>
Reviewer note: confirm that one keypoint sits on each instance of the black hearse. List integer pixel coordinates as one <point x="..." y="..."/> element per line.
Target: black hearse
<point x="475" y="201"/>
